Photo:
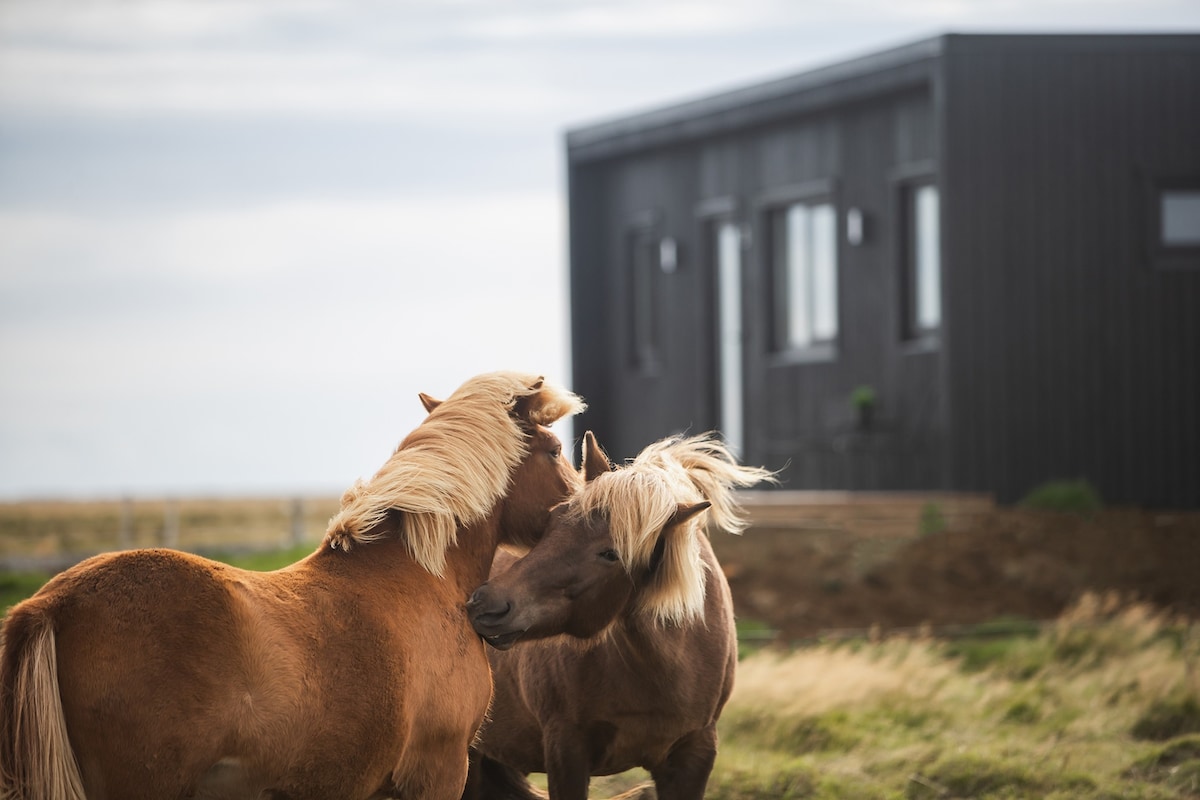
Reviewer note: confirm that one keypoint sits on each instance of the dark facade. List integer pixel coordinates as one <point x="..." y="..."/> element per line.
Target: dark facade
<point x="998" y="235"/>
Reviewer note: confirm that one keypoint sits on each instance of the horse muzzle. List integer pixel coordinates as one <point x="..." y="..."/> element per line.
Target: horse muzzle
<point x="492" y="618"/>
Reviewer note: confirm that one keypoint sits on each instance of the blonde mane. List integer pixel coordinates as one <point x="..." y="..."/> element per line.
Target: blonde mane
<point x="453" y="469"/>
<point x="640" y="499"/>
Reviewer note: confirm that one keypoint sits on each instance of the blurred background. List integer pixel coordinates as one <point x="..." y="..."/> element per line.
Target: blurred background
<point x="236" y="239"/>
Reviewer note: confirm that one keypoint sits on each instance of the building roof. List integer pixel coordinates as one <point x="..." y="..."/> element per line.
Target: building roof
<point x="848" y="81"/>
<point x="757" y="104"/>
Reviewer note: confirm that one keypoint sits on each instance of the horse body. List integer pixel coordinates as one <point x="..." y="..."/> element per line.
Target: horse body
<point x="353" y="673"/>
<point x="650" y="652"/>
<point x="281" y="681"/>
<point x="622" y="694"/>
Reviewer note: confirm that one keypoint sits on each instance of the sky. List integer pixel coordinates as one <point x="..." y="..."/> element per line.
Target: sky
<point x="237" y="237"/>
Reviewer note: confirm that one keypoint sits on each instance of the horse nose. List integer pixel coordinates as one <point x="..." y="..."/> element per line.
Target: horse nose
<point x="475" y="599"/>
<point x="481" y="607"/>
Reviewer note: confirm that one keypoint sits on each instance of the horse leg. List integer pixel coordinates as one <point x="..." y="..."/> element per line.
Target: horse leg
<point x="684" y="773"/>
<point x="490" y="780"/>
<point x="473" y="790"/>
<point x="567" y="767"/>
<point x="433" y="769"/>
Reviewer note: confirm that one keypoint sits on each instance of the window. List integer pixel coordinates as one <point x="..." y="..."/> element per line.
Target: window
<point x="727" y="249"/>
<point x="644" y="280"/>
<point x="921" y="267"/>
<point x="1174" y="233"/>
<point x="804" y="266"/>
<point x="1179" y="218"/>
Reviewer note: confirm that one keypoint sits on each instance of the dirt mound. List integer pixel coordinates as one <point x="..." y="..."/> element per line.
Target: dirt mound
<point x="1005" y="563"/>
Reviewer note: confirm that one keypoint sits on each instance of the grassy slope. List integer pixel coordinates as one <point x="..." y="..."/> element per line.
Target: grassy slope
<point x="1103" y="705"/>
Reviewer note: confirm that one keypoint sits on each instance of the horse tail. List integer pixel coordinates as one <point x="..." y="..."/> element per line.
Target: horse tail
<point x="498" y="781"/>
<point x="36" y="760"/>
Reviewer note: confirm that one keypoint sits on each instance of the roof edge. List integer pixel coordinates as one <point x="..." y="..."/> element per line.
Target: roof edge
<point x="689" y="112"/>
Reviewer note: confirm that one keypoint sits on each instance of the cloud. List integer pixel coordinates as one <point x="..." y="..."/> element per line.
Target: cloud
<point x="200" y="82"/>
<point x="546" y="61"/>
<point x="257" y="326"/>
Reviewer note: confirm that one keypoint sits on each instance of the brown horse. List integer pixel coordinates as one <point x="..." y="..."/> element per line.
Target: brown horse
<point x="626" y="571"/>
<point x="353" y="673"/>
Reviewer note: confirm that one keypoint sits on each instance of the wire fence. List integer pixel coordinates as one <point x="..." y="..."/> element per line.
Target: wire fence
<point x="48" y="535"/>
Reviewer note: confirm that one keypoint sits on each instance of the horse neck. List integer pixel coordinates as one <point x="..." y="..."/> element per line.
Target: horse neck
<point x="469" y="561"/>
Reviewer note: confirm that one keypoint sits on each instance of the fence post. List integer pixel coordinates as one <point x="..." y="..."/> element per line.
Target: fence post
<point x="298" y="536"/>
<point x="170" y="535"/>
<point x="125" y="531"/>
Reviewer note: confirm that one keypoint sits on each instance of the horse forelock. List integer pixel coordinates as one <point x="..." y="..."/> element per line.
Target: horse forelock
<point x="453" y="468"/>
<point x="640" y="499"/>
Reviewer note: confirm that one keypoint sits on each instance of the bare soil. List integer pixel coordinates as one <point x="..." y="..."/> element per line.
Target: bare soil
<point x="1006" y="563"/>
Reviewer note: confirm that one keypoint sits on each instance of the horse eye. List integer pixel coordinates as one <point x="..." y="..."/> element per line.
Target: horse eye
<point x="609" y="555"/>
<point x="556" y="452"/>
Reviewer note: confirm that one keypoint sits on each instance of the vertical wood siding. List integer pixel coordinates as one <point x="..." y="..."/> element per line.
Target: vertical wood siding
<point x="1073" y="355"/>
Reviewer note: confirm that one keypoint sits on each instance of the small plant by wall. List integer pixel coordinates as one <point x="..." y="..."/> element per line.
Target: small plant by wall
<point x="863" y="400"/>
<point x="1077" y="496"/>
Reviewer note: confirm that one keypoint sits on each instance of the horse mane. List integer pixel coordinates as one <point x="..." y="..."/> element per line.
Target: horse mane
<point x="453" y="468"/>
<point x="640" y="500"/>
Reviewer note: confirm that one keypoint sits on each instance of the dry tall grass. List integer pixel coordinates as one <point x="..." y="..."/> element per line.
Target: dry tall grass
<point x="1102" y="704"/>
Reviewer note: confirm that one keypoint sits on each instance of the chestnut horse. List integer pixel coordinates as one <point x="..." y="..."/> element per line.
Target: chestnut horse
<point x="626" y="571"/>
<point x="353" y="673"/>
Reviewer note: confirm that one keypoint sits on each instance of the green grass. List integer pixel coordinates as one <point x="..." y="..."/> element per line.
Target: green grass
<point x="16" y="586"/>
<point x="266" y="560"/>
<point x="753" y="635"/>
<point x="1169" y="718"/>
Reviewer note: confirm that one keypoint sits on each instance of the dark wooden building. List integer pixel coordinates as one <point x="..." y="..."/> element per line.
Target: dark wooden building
<point x="996" y="239"/>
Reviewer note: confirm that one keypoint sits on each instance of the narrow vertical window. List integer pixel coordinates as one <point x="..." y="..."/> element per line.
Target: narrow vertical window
<point x="797" y="277"/>
<point x="929" y="260"/>
<point x="824" y="273"/>
<point x="805" y="275"/>
<point x="729" y="310"/>
<point x="921" y="263"/>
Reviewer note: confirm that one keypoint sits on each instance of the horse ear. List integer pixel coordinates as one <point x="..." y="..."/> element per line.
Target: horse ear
<point x="595" y="462"/>
<point x="430" y="403"/>
<point x="670" y="546"/>
<point x="685" y="512"/>
<point x="525" y="404"/>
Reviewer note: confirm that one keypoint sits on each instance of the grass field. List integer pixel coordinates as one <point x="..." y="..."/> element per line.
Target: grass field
<point x="1103" y="704"/>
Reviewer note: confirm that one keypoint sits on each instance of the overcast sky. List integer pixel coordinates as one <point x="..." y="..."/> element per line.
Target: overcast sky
<point x="237" y="238"/>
